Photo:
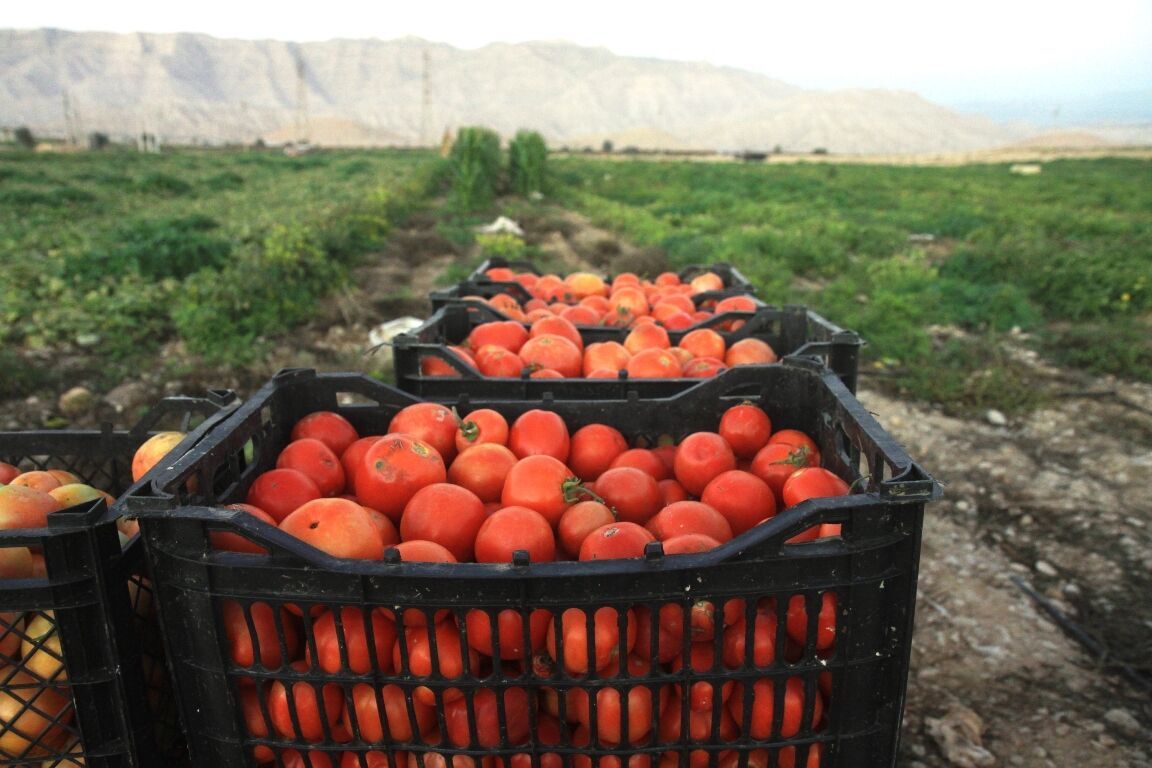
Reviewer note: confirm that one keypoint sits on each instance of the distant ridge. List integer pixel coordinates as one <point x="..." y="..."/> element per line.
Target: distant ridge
<point x="197" y="88"/>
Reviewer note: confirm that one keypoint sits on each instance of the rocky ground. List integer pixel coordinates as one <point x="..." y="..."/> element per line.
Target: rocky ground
<point x="1034" y="616"/>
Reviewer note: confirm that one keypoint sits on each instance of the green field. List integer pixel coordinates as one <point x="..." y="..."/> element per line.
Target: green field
<point x="116" y="253"/>
<point x="933" y="266"/>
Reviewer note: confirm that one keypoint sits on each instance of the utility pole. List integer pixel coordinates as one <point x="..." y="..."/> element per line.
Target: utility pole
<point x="426" y="101"/>
<point x="301" y="101"/>
<point x="71" y="120"/>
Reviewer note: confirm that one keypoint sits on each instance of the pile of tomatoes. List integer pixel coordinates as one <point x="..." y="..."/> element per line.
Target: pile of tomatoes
<point x="551" y="346"/>
<point x="439" y="487"/>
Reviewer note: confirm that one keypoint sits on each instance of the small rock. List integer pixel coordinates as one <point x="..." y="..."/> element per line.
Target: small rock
<point x="959" y="734"/>
<point x="1124" y="721"/>
<point x="1044" y="568"/>
<point x="128" y="397"/>
<point x="76" y="402"/>
<point x="996" y="418"/>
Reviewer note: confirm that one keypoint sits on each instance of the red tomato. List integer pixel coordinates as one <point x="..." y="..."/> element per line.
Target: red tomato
<point x="482" y="425"/>
<point x="433" y="423"/>
<point x="513" y="528"/>
<point x="699" y="725"/>
<point x="374" y="758"/>
<point x="645" y="460"/>
<point x="446" y="514"/>
<point x="317" y="461"/>
<point x="498" y="362"/>
<point x="581" y="738"/>
<point x="316" y="758"/>
<point x="352" y="458"/>
<point x="393" y="469"/>
<point x="689" y="544"/>
<point x="671" y="491"/>
<point x="700" y="457"/>
<point x="538" y="432"/>
<point x="549" y="351"/>
<point x="668" y="629"/>
<point x="509" y="633"/>
<point x="702" y="693"/>
<point x="366" y="704"/>
<point x="750" y="351"/>
<point x="615" y="540"/>
<point x="760" y="725"/>
<point x="274" y="642"/>
<point x="8" y="472"/>
<point x="797" y="624"/>
<point x="571" y="647"/>
<point x="636" y="699"/>
<point x="646" y="336"/>
<point x="743" y="498"/>
<point x="328" y="427"/>
<point x="280" y="491"/>
<point x="704" y="342"/>
<point x="508" y="334"/>
<point x="254" y="722"/>
<point x="420" y="551"/>
<point x="434" y="365"/>
<point x="797" y="439"/>
<point x="578" y="521"/>
<point x="704" y="367"/>
<point x="316" y="716"/>
<point x="654" y="363"/>
<point x="632" y="493"/>
<point x="449" y="656"/>
<point x="234" y="542"/>
<point x="541" y="483"/>
<point x="812" y="483"/>
<point x="690" y="517"/>
<point x="483" y="469"/>
<point x="747" y="428"/>
<point x="775" y="463"/>
<point x="605" y="355"/>
<point x="593" y="448"/>
<point x="340" y="527"/>
<point x="557" y="325"/>
<point x="485" y="715"/>
<point x="352" y="634"/>
<point x="735" y="648"/>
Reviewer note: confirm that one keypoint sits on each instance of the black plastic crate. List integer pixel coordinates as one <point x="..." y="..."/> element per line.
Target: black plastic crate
<point x="791" y="330"/>
<point x="478" y="284"/>
<point x="85" y="682"/>
<point x="858" y="672"/>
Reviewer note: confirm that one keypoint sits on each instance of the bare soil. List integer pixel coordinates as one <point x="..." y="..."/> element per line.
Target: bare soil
<point x="1045" y="529"/>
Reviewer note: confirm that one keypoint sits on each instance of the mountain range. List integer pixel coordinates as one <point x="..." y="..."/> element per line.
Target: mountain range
<point x="193" y="88"/>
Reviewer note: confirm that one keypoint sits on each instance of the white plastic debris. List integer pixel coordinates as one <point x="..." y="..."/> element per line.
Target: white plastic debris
<point x="502" y="224"/>
<point x="380" y="337"/>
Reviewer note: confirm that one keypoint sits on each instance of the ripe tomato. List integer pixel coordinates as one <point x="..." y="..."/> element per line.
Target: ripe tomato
<point x="654" y="364"/>
<point x="352" y="634"/>
<point x="763" y="652"/>
<point x="498" y="362"/>
<point x="482" y="469"/>
<point x="646" y="336"/>
<point x="671" y="491"/>
<point x="308" y="758"/>
<point x="636" y="700"/>
<point x="689" y="544"/>
<point x="615" y="540"/>
<point x="8" y="472"/>
<point x="352" y="458"/>
<point x="797" y="439"/>
<point x="704" y="342"/>
<point x="448" y="653"/>
<point x="433" y="423"/>
<point x="700" y="457"/>
<point x="393" y="469"/>
<point x="316" y="715"/>
<point x="760" y="724"/>
<point x="581" y="738"/>
<point x="744" y="499"/>
<point x="578" y="521"/>
<point x="797" y="624"/>
<point x="706" y="281"/>
<point x="704" y="367"/>
<point x="513" y="528"/>
<point x="699" y="726"/>
<point x="633" y="494"/>
<point x="667" y="627"/>
<point x="552" y="352"/>
<point x="434" y="365"/>
<point x="605" y="355"/>
<point x="747" y="428"/>
<point x="683" y="517"/>
<point x="274" y="642"/>
<point x="706" y="620"/>
<point x="750" y="351"/>
<point x="541" y="483"/>
<point x="593" y="448"/>
<point x="254" y="722"/>
<point x="280" y="491"/>
<point x="420" y="551"/>
<point x="557" y="325"/>
<point x="702" y="693"/>
<point x="340" y="527"/>
<point x="570" y="648"/>
<point x="508" y="334"/>
<point x="374" y="758"/>
<point x="367" y="701"/>
<point x="645" y="460"/>
<point x="775" y="463"/>
<point x="509" y="634"/>
<point x="328" y="427"/>
<point x="234" y="542"/>
<point x="316" y="460"/>
<point x="486" y="716"/>
<point x="811" y="483"/>
<point x="446" y="514"/>
<point x="482" y="425"/>
<point x="539" y="432"/>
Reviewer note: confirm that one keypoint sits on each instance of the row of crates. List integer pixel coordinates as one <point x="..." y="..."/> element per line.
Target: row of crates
<point x="269" y="652"/>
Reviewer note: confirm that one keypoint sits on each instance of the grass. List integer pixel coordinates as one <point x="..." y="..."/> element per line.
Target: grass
<point x="893" y="252"/>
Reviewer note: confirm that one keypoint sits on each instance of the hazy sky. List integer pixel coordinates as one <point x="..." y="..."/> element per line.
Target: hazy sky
<point x="948" y="50"/>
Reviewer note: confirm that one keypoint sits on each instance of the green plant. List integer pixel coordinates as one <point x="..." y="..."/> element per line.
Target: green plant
<point x="527" y="155"/>
<point x="156" y="249"/>
<point x="475" y="163"/>
<point x="503" y="244"/>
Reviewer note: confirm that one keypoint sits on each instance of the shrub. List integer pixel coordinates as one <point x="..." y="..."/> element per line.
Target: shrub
<point x="156" y="249"/>
<point x="527" y="155"/>
<point x="475" y="163"/>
